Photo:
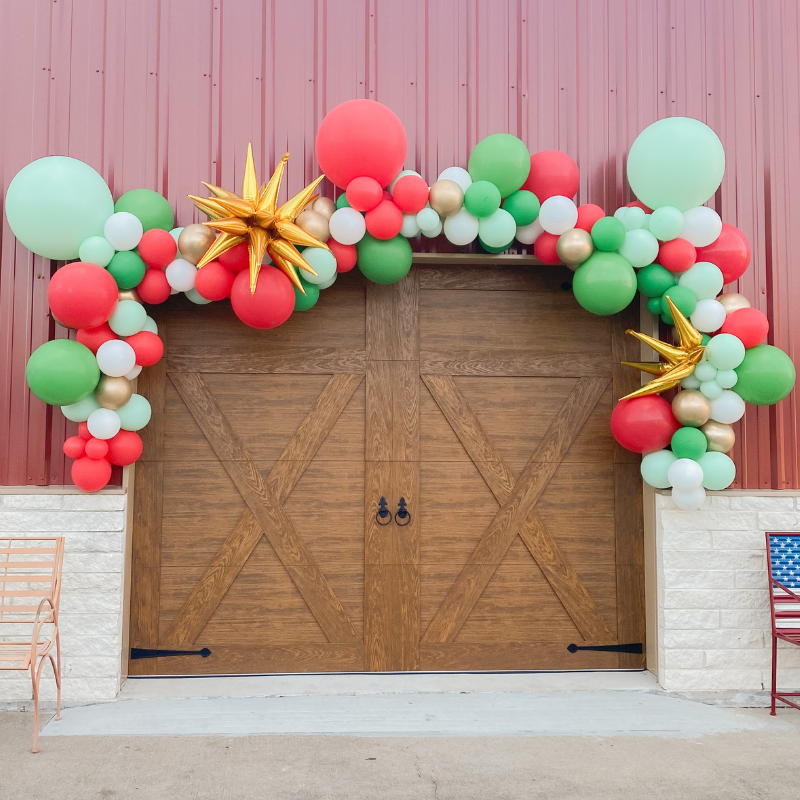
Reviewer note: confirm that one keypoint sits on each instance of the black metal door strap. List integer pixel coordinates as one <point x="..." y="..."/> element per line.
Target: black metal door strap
<point x="635" y="647"/>
<point x="140" y="652"/>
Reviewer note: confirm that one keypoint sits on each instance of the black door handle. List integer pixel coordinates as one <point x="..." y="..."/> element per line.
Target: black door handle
<point x="384" y="516"/>
<point x="402" y="516"/>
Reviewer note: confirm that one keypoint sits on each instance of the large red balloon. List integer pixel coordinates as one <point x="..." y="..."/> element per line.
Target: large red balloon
<point x="214" y="281"/>
<point x="588" y="214"/>
<point x="94" y="337"/>
<point x="148" y="347"/>
<point x="644" y="424"/>
<point x="385" y="220"/>
<point x="90" y="474"/>
<point x="270" y="306"/>
<point x="544" y="248"/>
<point x="748" y="324"/>
<point x="82" y="295"/>
<point x="676" y="255"/>
<point x="124" y="448"/>
<point x="730" y="252"/>
<point x="361" y="138"/>
<point x="552" y="172"/>
<point x="346" y="255"/>
<point x="154" y="287"/>
<point x="236" y="259"/>
<point x="410" y="194"/>
<point x="364" y="193"/>
<point x="157" y="248"/>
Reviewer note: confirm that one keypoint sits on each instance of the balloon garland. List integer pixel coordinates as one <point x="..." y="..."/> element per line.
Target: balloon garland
<point x="249" y="251"/>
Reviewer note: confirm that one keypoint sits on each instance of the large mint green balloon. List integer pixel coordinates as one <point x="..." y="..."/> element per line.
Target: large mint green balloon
<point x="766" y="375"/>
<point x="718" y="470"/>
<point x="135" y="414"/>
<point x="62" y="372"/>
<point x="384" y="260"/>
<point x="655" y="467"/>
<point x="704" y="279"/>
<point x="605" y="283"/>
<point x="55" y="203"/>
<point x="677" y="162"/>
<point x="501" y="159"/>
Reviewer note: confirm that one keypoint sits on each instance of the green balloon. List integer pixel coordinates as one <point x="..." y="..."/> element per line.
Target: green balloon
<point x="79" y="412"/>
<point x="302" y="302"/>
<point x="666" y="223"/>
<point x="684" y="299"/>
<point x="494" y="250"/>
<point x="766" y="375"/>
<point x="96" y="250"/>
<point x="55" y="203"/>
<point x="153" y="210"/>
<point x="704" y="279"/>
<point x="502" y="159"/>
<point x="129" y="317"/>
<point x="482" y="199"/>
<point x="127" y="269"/>
<point x="654" y="305"/>
<point x="689" y="443"/>
<point x="384" y="260"/>
<point x="135" y="414"/>
<point x="608" y="234"/>
<point x="677" y="162"/>
<point x="523" y="206"/>
<point x="605" y="283"/>
<point x="62" y="372"/>
<point x="718" y="470"/>
<point x="342" y="202"/>
<point x="655" y="467"/>
<point x="653" y="280"/>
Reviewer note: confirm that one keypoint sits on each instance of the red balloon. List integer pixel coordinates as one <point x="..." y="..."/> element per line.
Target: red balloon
<point x="74" y="447"/>
<point x="588" y="214"/>
<point x="346" y="255"/>
<point x="148" y="347"/>
<point x="410" y="194"/>
<point x="124" y="448"/>
<point x="91" y="474"/>
<point x="83" y="431"/>
<point x="676" y="255"/>
<point x="213" y="281"/>
<point x="552" y="172"/>
<point x="364" y="193"/>
<point x="544" y="248"/>
<point x="644" y="424"/>
<point x="385" y="220"/>
<point x="361" y="138"/>
<point x="236" y="259"/>
<point x="154" y="288"/>
<point x="158" y="248"/>
<point x="82" y="295"/>
<point x="639" y="204"/>
<point x="748" y="324"/>
<point x="730" y="252"/>
<point x="270" y="306"/>
<point x="94" y="337"/>
<point x="96" y="448"/>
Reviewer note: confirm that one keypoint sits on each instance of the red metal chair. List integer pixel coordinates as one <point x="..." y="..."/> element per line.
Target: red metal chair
<point x="783" y="564"/>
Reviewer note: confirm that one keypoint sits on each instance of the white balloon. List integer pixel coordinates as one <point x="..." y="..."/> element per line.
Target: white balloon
<point x="400" y="175"/>
<point x="727" y="408"/>
<point x="528" y="234"/>
<point x="150" y="325"/>
<point x="701" y="226"/>
<point x="134" y="373"/>
<point x="432" y="233"/>
<point x="457" y="174"/>
<point x="691" y="382"/>
<point x="410" y="228"/>
<point x="428" y="219"/>
<point x="727" y="378"/>
<point x="689" y="500"/>
<point x="195" y="297"/>
<point x="328" y="283"/>
<point x="181" y="274"/>
<point x="685" y="474"/>
<point x="705" y="371"/>
<point x="461" y="228"/>
<point x="116" y="358"/>
<point x="635" y="218"/>
<point x="123" y="230"/>
<point x="557" y="215"/>
<point x="104" y="423"/>
<point x="708" y="316"/>
<point x="711" y="389"/>
<point x="79" y="412"/>
<point x="347" y="226"/>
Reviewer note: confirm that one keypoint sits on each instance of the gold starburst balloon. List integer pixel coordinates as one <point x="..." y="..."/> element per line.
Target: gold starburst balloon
<point x="680" y="360"/>
<point x="253" y="217"/>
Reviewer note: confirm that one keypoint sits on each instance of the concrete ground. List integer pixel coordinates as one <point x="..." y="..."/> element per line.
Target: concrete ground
<point x="760" y="763"/>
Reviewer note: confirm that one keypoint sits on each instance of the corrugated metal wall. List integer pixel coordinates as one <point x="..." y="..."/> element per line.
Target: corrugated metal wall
<point x="166" y="93"/>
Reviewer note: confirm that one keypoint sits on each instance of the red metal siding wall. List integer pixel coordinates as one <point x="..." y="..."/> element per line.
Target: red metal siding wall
<point x="166" y="93"/>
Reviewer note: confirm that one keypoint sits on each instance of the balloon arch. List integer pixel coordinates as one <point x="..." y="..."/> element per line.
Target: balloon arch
<point x="271" y="260"/>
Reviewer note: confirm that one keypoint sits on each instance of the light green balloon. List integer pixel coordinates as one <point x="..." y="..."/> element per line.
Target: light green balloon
<point x="655" y="467"/>
<point x="55" y="203"/>
<point x="727" y="378"/>
<point x="328" y="283"/>
<point x="79" y="412"/>
<point x="704" y="279"/>
<point x="718" y="470"/>
<point x="150" y="325"/>
<point x="725" y="351"/>
<point x="135" y="414"/>
<point x="634" y="218"/>
<point x="666" y="223"/>
<point x="677" y="162"/>
<point x="497" y="229"/>
<point x="96" y="250"/>
<point x="711" y="389"/>
<point x="323" y="261"/>
<point x="640" y="247"/>
<point x="193" y="296"/>
<point x="129" y="317"/>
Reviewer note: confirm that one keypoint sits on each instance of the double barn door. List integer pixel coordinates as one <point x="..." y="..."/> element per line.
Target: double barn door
<point x="471" y="403"/>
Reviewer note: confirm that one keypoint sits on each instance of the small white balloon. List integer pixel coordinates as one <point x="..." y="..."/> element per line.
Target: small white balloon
<point x="461" y="228"/>
<point x="150" y="325"/>
<point x="685" y="474"/>
<point x="727" y="408"/>
<point x="328" y="283"/>
<point x="410" y="229"/>
<point x="635" y="218"/>
<point x="558" y="214"/>
<point x="347" y="226"/>
<point x="711" y="389"/>
<point x="134" y="373"/>
<point x="457" y="174"/>
<point x="181" y="274"/>
<point x="104" y="423"/>
<point x="727" y="378"/>
<point x="432" y="233"/>
<point x="690" y="383"/>
<point x="79" y="412"/>
<point x="427" y="219"/>
<point x="528" y="234"/>
<point x="689" y="500"/>
<point x="701" y="226"/>
<point x="195" y="297"/>
<point x="123" y="230"/>
<point x="708" y="316"/>
<point x="115" y="358"/>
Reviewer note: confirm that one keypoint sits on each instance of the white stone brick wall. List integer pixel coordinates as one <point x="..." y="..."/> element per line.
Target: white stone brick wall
<point x="91" y="595"/>
<point x="714" y="630"/>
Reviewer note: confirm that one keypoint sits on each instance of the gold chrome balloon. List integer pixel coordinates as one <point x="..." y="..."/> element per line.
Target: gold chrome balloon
<point x="314" y="223"/>
<point x="691" y="408"/>
<point x="446" y="197"/>
<point x="733" y="302"/>
<point x="324" y="206"/>
<point x="113" y="392"/>
<point x="194" y="241"/>
<point x="574" y="247"/>
<point x="130" y="294"/>
<point x="720" y="437"/>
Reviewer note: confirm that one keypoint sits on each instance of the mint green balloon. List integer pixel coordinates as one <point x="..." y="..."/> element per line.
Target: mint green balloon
<point x="640" y="247"/>
<point x="523" y="206"/>
<point x="129" y="317"/>
<point x="322" y="261"/>
<point x="135" y="414"/>
<point x="79" y="412"/>
<point x="494" y="250"/>
<point x="718" y="470"/>
<point x="55" y="203"/>
<point x="152" y="209"/>
<point x="655" y="466"/>
<point x="666" y="223"/>
<point x="302" y="302"/>
<point x="677" y="162"/>
<point x="725" y="351"/>
<point x="96" y="250"/>
<point x="62" y="372"/>
<point x="497" y="229"/>
<point x="704" y="279"/>
<point x="482" y="199"/>
<point x="604" y="284"/>
<point x="502" y="159"/>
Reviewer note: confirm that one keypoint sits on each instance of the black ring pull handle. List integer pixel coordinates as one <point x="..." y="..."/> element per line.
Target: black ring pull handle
<point x="402" y="516"/>
<point x="384" y="516"/>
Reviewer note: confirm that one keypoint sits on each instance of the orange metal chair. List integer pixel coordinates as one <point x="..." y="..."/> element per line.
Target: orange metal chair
<point x="30" y="587"/>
